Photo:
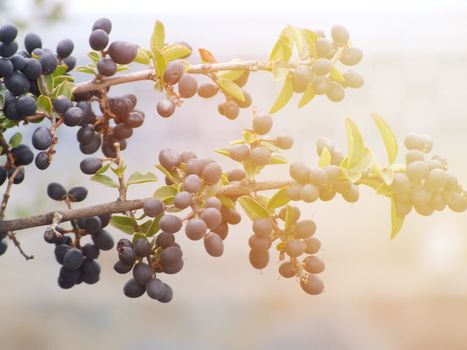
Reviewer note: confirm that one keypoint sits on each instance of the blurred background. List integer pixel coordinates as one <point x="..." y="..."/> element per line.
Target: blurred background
<point x="408" y="293"/>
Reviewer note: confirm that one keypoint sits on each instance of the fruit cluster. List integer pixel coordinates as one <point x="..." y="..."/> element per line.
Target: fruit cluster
<point x="425" y="184"/>
<point x="79" y="262"/>
<point x="319" y="74"/>
<point x="323" y="183"/>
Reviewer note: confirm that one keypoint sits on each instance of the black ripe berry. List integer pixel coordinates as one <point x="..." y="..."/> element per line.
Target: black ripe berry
<point x="42" y="160"/>
<point x="77" y="194"/>
<point x="48" y="62"/>
<point x="65" y="48"/>
<point x="73" y="116"/>
<point x="32" y="41"/>
<point x="22" y="155"/>
<point x="8" y="33"/>
<point x="70" y="62"/>
<point x="98" y="40"/>
<point x="103" y="23"/>
<point x="90" y="165"/>
<point x="26" y="106"/>
<point x="41" y="138"/>
<point x="6" y="67"/>
<point x="106" y="66"/>
<point x="17" y="83"/>
<point x="32" y="69"/>
<point x="122" y="52"/>
<point x="56" y="191"/>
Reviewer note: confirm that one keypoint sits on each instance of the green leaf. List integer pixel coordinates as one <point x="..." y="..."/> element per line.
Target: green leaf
<point x="123" y="223"/>
<point x="165" y="192"/>
<point x="284" y="95"/>
<point x="122" y="67"/>
<point x="396" y="221"/>
<point x="175" y="51"/>
<point x="158" y="36"/>
<point x="143" y="56"/>
<point x="308" y="95"/>
<point x="48" y="81"/>
<point x="336" y="75"/>
<point x="103" y="169"/>
<point x="160" y="63"/>
<point x="325" y="158"/>
<point x="65" y="88"/>
<point x="94" y="56"/>
<point x="231" y="89"/>
<point x="226" y="202"/>
<point x="280" y="199"/>
<point x="16" y="139"/>
<point x="86" y="69"/>
<point x="138" y="235"/>
<point x="254" y="209"/>
<point x="154" y="227"/>
<point x="104" y="180"/>
<point x="138" y="178"/>
<point x="60" y="70"/>
<point x="61" y="78"/>
<point x="390" y="141"/>
<point x="44" y="104"/>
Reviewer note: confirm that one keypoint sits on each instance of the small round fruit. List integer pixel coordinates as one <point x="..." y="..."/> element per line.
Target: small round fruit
<point x="122" y="52"/>
<point x="312" y="285"/>
<point x="262" y="124"/>
<point x="165" y="108"/>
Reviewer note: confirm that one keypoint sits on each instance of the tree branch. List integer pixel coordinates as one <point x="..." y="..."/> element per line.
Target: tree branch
<point x="205" y="68"/>
<point x="233" y="190"/>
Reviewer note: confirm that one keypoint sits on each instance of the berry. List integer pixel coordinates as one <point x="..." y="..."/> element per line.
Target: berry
<point x="90" y="165"/>
<point x="212" y="217"/>
<point x="65" y="48"/>
<point x="91" y="224"/>
<point x="165" y="240"/>
<point x="312" y="245"/>
<point x="122" y="131"/>
<point x="284" y="141"/>
<point x="142" y="247"/>
<point x="173" y="73"/>
<point x="295" y="248"/>
<point x="320" y="84"/>
<point x="56" y="191"/>
<point x="133" y="289"/>
<point x="48" y="62"/>
<point x="90" y="251"/>
<point x="142" y="273"/>
<point x="260" y="155"/>
<point x="22" y="155"/>
<point x="340" y="35"/>
<point x="213" y="244"/>
<point x="168" y="294"/>
<point x="351" y="56"/>
<point x="312" y="285"/>
<point x="73" y="259"/>
<point x="153" y="207"/>
<point x="313" y="264"/>
<point x="61" y="104"/>
<point x="259" y="242"/>
<point x="42" y="160"/>
<point x="169" y="158"/>
<point x="73" y="116"/>
<point x="17" y="83"/>
<point x="104" y="24"/>
<point x="121" y="267"/>
<point x="60" y="251"/>
<point x="207" y="90"/>
<point x="127" y="255"/>
<point x="170" y="223"/>
<point x="236" y="174"/>
<point x="41" y="138"/>
<point x="32" y="41"/>
<point x="305" y="228"/>
<point x="287" y="269"/>
<point x="302" y="76"/>
<point x="262" y="124"/>
<point x="98" y="40"/>
<point x="122" y="52"/>
<point x="103" y="240"/>
<point x="6" y="67"/>
<point x="165" y="108"/>
<point x="321" y="66"/>
<point x="335" y="92"/>
<point x="212" y="173"/>
<point x="239" y="152"/>
<point x="187" y="86"/>
<point x="8" y="50"/>
<point x="171" y="255"/>
<point x="8" y="33"/>
<point x="229" y="109"/>
<point x="353" y="79"/>
<point x="323" y="47"/>
<point x="106" y="67"/>
<point x="155" y="289"/>
<point x="3" y="247"/>
<point x="182" y="200"/>
<point x="195" y="229"/>
<point x="259" y="258"/>
<point x="26" y="106"/>
<point x="135" y="119"/>
<point x="309" y="193"/>
<point x="70" y="62"/>
<point x="18" y="61"/>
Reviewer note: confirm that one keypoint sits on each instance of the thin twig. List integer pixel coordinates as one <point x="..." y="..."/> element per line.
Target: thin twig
<point x="12" y="237"/>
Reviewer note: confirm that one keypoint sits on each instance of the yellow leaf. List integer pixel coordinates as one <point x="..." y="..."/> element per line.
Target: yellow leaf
<point x="310" y="39"/>
<point x="230" y="74"/>
<point x="158" y="36"/>
<point x="284" y="95"/>
<point x="390" y="141"/>
<point x="175" y="51"/>
<point x="296" y="35"/>
<point x="396" y="221"/>
<point x="206" y="56"/>
<point x="232" y="89"/>
<point x="356" y="148"/>
<point x="336" y="75"/>
<point x="307" y="96"/>
<point x="325" y="158"/>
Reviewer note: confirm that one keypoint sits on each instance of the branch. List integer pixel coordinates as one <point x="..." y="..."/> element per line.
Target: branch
<point x="233" y="190"/>
<point x="149" y="74"/>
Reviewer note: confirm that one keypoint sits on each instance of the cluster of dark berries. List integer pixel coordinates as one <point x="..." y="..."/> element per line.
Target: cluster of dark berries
<point x="21" y="155"/>
<point x="296" y="240"/>
<point x="322" y="183"/>
<point x="118" y="52"/>
<point x="79" y="262"/>
<point x="163" y="255"/>
<point x="20" y="70"/>
<point x="230" y="108"/>
<point x="425" y="185"/>
<point x="259" y="152"/>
